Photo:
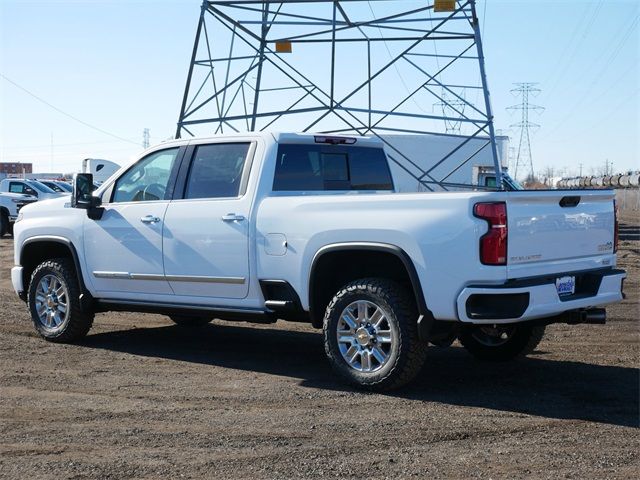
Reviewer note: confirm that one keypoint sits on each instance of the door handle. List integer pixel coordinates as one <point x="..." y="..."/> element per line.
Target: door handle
<point x="232" y="217"/>
<point x="149" y="219"/>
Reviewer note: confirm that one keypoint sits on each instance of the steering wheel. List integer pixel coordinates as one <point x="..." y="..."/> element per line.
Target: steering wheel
<point x="153" y="191"/>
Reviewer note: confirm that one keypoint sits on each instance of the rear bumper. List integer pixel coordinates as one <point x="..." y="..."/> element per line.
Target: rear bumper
<point x="537" y="298"/>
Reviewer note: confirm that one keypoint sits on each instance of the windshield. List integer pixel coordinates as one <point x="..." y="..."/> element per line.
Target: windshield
<point x="65" y="187"/>
<point x="41" y="187"/>
<point x="52" y="186"/>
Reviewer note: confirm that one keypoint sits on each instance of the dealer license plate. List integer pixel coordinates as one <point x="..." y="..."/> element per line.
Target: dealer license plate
<point x="566" y="285"/>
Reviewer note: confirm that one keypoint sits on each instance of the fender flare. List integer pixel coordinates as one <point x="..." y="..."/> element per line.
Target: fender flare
<point x="86" y="298"/>
<point x="425" y="319"/>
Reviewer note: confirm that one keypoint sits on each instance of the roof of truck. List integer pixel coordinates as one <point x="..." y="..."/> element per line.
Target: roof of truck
<point x="279" y="137"/>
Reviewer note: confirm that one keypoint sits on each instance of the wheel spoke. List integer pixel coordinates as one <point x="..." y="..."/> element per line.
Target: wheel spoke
<point x="362" y="311"/>
<point x="351" y="354"/>
<point x="384" y="336"/>
<point x="349" y="319"/>
<point x="377" y="318"/>
<point x="345" y="337"/>
<point x="379" y="354"/>
<point x="365" y="360"/>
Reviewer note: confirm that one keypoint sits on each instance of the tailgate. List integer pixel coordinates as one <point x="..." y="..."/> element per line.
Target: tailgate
<point x="559" y="231"/>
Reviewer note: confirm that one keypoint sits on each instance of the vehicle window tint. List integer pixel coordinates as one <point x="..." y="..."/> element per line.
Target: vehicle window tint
<point x="317" y="167"/>
<point x="148" y="179"/>
<point x="15" y="187"/>
<point x="216" y="170"/>
<point x="53" y="187"/>
<point x="369" y="169"/>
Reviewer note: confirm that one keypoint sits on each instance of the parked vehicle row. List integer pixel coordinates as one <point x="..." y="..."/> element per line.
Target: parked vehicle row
<point x="309" y="228"/>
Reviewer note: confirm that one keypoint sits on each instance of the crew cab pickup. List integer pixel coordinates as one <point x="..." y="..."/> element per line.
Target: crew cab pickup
<point x="304" y="227"/>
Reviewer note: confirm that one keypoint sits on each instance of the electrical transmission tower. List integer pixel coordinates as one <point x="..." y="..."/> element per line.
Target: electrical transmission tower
<point x="524" y="157"/>
<point x="449" y="107"/>
<point x="145" y="138"/>
<point x="343" y="67"/>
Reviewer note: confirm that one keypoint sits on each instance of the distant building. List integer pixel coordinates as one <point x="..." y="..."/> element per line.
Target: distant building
<point x="9" y="168"/>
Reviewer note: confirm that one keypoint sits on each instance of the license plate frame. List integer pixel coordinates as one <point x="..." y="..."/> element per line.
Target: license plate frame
<point x="566" y="285"/>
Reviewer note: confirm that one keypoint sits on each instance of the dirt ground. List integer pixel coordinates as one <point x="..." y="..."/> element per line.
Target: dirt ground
<point x="141" y="398"/>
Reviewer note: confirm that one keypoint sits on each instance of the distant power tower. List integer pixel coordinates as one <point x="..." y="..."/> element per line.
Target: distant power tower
<point x="145" y="138"/>
<point x="449" y="108"/>
<point x="343" y="67"/>
<point x="524" y="157"/>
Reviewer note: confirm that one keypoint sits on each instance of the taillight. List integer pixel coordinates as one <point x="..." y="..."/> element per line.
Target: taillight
<point x="615" y="227"/>
<point x="493" y="244"/>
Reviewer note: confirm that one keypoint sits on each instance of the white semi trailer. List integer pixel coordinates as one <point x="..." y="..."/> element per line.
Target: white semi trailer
<point x="100" y="169"/>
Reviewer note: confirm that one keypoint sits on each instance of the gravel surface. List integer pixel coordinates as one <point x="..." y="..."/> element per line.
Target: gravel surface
<point x="142" y="398"/>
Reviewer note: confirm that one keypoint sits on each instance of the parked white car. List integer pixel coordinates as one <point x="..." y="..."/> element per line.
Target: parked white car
<point x="28" y="187"/>
<point x="10" y="205"/>
<point x="308" y="228"/>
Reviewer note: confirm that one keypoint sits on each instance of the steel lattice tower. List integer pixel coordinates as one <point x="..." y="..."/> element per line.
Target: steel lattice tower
<point x="524" y="157"/>
<point x="343" y="67"/>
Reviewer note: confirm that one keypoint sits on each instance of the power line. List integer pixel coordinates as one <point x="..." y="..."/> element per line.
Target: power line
<point x="40" y="99"/>
<point x="605" y="68"/>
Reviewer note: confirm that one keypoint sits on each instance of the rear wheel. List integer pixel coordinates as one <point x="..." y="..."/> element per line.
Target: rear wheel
<point x="190" y="320"/>
<point x="501" y="342"/>
<point x="54" y="302"/>
<point x="371" y="335"/>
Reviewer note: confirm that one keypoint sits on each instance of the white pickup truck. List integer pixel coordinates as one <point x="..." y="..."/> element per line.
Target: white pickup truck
<point x="10" y="205"/>
<point x="260" y="227"/>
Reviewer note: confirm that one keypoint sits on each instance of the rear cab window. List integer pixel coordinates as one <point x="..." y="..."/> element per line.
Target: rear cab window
<point x="312" y="167"/>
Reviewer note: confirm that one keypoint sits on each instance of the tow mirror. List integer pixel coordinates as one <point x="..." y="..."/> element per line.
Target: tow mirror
<point x="82" y="195"/>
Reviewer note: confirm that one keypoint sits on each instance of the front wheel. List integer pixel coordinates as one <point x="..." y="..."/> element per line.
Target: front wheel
<point x="500" y="343"/>
<point x="371" y="335"/>
<point x="54" y="302"/>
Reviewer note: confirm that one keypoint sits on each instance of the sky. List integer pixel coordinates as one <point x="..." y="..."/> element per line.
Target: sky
<point x="104" y="70"/>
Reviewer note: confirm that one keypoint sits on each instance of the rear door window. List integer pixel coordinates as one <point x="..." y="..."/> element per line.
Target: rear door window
<point x="216" y="170"/>
<point x="320" y="167"/>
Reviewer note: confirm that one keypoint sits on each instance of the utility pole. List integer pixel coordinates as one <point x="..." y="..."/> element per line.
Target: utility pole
<point x="580" y="169"/>
<point x="145" y="138"/>
<point x="524" y="158"/>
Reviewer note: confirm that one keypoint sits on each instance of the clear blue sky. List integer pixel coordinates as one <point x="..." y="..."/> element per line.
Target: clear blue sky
<point x="121" y="66"/>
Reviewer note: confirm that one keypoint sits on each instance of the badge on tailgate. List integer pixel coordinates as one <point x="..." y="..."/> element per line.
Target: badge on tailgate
<point x="566" y="285"/>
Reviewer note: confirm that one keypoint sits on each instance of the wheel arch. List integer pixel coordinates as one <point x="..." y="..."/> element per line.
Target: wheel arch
<point x="36" y="250"/>
<point x="400" y="268"/>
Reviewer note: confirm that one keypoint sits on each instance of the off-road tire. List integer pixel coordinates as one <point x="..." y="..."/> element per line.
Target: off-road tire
<point x="77" y="322"/>
<point x="190" y="321"/>
<point x="409" y="354"/>
<point x="524" y="341"/>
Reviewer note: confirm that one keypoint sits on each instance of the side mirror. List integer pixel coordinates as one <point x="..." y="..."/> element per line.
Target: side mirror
<point x="82" y="194"/>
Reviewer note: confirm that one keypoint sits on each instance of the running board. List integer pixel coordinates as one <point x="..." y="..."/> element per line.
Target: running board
<point x="162" y="308"/>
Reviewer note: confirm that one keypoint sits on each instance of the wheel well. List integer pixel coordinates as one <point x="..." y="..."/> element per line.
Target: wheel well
<point x="34" y="253"/>
<point x="333" y="269"/>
